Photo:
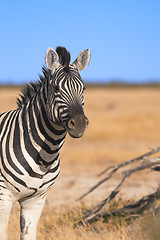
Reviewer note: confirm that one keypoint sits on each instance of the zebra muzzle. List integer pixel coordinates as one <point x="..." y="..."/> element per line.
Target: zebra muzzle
<point x="77" y="125"/>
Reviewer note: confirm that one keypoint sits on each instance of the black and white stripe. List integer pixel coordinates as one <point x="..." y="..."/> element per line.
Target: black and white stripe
<point x="32" y="135"/>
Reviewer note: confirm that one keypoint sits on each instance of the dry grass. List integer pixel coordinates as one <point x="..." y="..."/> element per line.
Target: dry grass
<point x="63" y="226"/>
<point x="124" y="123"/>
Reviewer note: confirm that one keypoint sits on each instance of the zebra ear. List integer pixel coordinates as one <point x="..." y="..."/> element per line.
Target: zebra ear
<point x="52" y="59"/>
<point x="82" y="60"/>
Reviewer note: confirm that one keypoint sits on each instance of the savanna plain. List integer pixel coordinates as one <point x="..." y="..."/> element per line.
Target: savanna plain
<point x="124" y="123"/>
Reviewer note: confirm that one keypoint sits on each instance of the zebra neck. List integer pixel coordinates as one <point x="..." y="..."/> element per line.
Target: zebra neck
<point x="43" y="138"/>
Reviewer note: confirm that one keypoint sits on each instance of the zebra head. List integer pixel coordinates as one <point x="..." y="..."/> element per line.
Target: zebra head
<point x="66" y="101"/>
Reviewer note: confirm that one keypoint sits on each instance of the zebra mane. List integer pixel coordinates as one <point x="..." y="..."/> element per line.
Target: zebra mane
<point x="31" y="89"/>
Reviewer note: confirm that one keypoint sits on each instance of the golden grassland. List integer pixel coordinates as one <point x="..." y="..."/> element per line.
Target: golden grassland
<point x="124" y="123"/>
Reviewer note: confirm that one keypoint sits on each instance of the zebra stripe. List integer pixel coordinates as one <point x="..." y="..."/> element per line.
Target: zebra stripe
<point x="32" y="135"/>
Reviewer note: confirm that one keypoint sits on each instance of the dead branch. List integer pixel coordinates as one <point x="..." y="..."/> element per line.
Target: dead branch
<point x="153" y="151"/>
<point x="132" y="209"/>
<point x="117" y="167"/>
<point x="100" y="206"/>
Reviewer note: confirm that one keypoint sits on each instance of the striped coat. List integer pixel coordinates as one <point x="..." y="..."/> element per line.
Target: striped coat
<point x="32" y="135"/>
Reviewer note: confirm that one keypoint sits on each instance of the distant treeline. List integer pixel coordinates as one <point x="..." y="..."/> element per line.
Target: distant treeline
<point x="118" y="84"/>
<point x="113" y="84"/>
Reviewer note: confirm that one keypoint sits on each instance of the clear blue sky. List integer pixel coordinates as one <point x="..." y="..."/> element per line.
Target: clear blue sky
<point x="123" y="36"/>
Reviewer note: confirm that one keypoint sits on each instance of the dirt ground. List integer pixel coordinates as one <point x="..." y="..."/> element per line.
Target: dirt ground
<point x="124" y="123"/>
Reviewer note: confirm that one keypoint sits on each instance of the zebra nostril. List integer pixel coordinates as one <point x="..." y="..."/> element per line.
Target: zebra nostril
<point x="87" y="122"/>
<point x="71" y="124"/>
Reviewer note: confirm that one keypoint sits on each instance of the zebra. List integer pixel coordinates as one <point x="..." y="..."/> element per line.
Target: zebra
<point x="32" y="135"/>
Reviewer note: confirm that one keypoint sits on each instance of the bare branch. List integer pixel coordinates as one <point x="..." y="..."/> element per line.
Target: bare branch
<point x="116" y="168"/>
<point x="153" y="151"/>
<point x="100" y="206"/>
<point x="132" y="209"/>
<point x="106" y="170"/>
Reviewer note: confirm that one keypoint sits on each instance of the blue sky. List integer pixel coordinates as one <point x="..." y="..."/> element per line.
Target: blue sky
<point x="123" y="36"/>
